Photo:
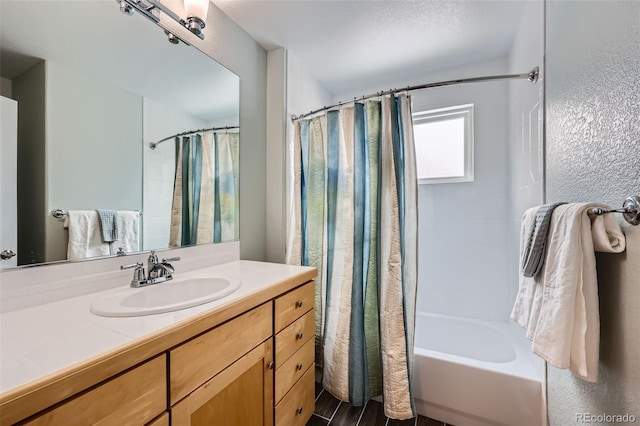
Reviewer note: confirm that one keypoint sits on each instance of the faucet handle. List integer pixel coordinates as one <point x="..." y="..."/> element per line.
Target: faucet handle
<point x="170" y="259"/>
<point x="138" y="274"/>
<point x="133" y="265"/>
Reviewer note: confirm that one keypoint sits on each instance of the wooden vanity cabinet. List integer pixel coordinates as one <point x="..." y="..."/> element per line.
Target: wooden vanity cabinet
<point x="254" y="368"/>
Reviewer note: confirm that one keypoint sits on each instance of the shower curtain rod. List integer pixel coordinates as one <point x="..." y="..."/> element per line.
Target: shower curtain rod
<point x="153" y="145"/>
<point x="532" y="76"/>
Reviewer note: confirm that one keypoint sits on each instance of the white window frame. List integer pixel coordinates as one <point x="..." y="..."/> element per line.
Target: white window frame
<point x="441" y="114"/>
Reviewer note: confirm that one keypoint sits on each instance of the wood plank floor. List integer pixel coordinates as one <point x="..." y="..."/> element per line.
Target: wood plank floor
<point x="332" y="412"/>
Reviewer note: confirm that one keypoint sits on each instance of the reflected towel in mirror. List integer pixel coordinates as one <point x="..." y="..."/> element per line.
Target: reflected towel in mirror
<point x="129" y="228"/>
<point x="108" y="220"/>
<point x="85" y="237"/>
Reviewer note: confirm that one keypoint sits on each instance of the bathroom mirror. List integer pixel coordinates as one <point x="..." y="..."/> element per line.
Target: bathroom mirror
<point x="93" y="88"/>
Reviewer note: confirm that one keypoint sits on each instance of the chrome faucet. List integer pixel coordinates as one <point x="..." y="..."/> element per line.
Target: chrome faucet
<point x="157" y="272"/>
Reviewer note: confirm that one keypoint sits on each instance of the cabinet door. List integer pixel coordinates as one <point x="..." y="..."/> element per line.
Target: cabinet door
<point x="240" y="395"/>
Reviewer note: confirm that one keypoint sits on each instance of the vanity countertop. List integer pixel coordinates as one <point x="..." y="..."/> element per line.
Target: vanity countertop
<point x="48" y="345"/>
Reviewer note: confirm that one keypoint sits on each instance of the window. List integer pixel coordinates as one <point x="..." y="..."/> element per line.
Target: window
<point x="444" y="144"/>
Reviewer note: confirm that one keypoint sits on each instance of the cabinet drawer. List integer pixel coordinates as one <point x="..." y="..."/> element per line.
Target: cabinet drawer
<point x="196" y="361"/>
<point x="292" y="369"/>
<point x="133" y="398"/>
<point x="290" y="306"/>
<point x="289" y="340"/>
<point x="298" y="405"/>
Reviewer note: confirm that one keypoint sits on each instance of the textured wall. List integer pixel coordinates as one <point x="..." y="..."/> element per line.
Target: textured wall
<point x="593" y="154"/>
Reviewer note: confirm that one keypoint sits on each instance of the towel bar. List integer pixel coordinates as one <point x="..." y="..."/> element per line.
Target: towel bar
<point x="59" y="213"/>
<point x="630" y="210"/>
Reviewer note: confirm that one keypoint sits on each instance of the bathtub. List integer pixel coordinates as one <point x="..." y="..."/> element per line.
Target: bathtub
<point x="476" y="373"/>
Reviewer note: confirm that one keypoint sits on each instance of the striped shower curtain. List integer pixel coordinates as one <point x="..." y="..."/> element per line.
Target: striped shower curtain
<point x="205" y="204"/>
<point x="354" y="217"/>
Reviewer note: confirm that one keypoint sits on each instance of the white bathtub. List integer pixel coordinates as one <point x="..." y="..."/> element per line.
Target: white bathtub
<point x="476" y="373"/>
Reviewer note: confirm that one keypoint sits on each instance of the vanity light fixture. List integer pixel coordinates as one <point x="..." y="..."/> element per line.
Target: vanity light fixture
<point x="196" y="11"/>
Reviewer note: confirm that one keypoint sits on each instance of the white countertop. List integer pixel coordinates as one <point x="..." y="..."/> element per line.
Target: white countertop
<point x="44" y="339"/>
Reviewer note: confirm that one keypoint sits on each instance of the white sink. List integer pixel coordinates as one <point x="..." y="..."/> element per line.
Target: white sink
<point x="164" y="297"/>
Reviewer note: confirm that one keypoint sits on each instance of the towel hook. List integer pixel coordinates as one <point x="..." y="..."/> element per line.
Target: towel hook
<point x="630" y="210"/>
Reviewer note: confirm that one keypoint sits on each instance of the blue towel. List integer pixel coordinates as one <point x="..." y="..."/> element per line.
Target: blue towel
<point x="108" y="225"/>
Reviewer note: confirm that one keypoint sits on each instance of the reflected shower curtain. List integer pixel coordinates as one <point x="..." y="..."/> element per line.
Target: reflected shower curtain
<point x="205" y="204"/>
<point x="354" y="217"/>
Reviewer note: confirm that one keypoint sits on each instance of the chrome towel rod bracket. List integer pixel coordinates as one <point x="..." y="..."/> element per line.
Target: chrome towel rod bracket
<point x="630" y="210"/>
<point x="58" y="213"/>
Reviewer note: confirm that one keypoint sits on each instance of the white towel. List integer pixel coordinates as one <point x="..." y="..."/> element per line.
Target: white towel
<point x="529" y="297"/>
<point x="129" y="228"/>
<point x="85" y="237"/>
<point x="559" y="307"/>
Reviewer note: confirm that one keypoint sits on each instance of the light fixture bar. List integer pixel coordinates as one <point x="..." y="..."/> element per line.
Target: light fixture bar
<point x="146" y="7"/>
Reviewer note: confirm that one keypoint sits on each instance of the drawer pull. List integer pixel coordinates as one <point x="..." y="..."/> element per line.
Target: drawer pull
<point x="299" y="410"/>
<point x="299" y="366"/>
<point x="298" y="336"/>
<point x="299" y="304"/>
<point x="271" y="365"/>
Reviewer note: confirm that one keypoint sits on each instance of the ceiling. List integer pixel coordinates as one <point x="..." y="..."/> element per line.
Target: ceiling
<point x="352" y="44"/>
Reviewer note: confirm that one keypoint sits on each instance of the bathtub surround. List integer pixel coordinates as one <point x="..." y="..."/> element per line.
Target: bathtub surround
<point x="558" y="308"/>
<point x="358" y="227"/>
<point x="525" y="186"/>
<point x="454" y="241"/>
<point x="592" y="155"/>
<point x="526" y="135"/>
<point x="450" y="236"/>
